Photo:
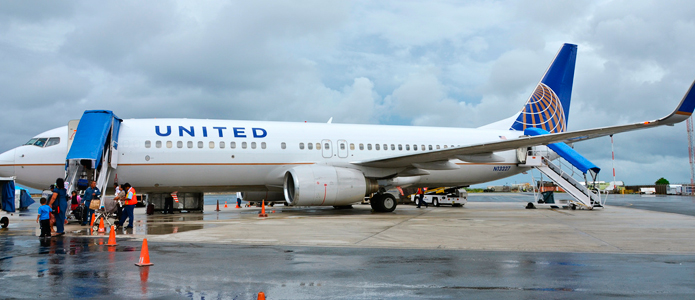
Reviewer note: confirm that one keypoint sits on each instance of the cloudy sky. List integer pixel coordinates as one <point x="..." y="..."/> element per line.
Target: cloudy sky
<point x="428" y="63"/>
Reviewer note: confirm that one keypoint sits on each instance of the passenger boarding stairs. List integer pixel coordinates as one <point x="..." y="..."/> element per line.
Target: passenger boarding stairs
<point x="93" y="150"/>
<point x="542" y="161"/>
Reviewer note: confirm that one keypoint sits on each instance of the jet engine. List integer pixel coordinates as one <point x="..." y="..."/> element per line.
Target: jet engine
<point x="321" y="185"/>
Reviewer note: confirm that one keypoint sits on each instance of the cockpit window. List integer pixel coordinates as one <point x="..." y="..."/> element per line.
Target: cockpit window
<point x="40" y="142"/>
<point x="53" y="141"/>
<point x="44" y="142"/>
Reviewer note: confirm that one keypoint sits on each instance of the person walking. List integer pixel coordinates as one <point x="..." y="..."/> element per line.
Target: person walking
<point x="44" y="218"/>
<point x="130" y="201"/>
<point x="60" y="198"/>
<point x="92" y="193"/>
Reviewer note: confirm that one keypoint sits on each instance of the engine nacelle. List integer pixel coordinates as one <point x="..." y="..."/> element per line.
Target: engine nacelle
<point x="319" y="185"/>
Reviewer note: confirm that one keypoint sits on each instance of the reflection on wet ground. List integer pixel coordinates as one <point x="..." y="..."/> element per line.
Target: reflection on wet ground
<point x="80" y="267"/>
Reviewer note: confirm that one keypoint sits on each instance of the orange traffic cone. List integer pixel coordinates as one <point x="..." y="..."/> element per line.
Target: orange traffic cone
<point x="218" y="205"/>
<point x="225" y="204"/>
<point x="91" y="225"/>
<point x="237" y="205"/>
<point x="101" y="225"/>
<point x="112" y="237"/>
<point x="261" y="296"/>
<point x="263" y="214"/>
<point x="144" y="256"/>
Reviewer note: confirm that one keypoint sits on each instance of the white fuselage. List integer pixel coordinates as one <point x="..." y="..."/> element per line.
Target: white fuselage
<point x="223" y="155"/>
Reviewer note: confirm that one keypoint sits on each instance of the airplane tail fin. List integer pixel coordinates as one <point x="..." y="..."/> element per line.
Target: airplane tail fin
<point x="549" y="105"/>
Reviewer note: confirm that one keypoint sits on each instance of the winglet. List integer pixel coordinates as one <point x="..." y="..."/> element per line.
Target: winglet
<point x="687" y="105"/>
<point x="685" y="108"/>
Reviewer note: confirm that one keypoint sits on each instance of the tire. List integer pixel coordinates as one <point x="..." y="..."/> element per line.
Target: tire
<point x="376" y="202"/>
<point x="4" y="222"/>
<point x="271" y="204"/>
<point x="388" y="203"/>
<point x="435" y="202"/>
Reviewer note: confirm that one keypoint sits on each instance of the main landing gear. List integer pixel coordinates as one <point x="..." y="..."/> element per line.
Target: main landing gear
<point x="383" y="202"/>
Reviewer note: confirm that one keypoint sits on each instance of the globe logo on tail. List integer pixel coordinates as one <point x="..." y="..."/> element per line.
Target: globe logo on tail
<point x="542" y="110"/>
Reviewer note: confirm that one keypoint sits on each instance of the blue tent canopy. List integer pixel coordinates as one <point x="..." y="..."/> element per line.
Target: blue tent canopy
<point x="7" y="196"/>
<point x="566" y="152"/>
<point x="92" y="134"/>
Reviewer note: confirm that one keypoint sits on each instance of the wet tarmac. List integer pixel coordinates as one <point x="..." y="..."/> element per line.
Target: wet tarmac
<point x="79" y="267"/>
<point x="322" y="253"/>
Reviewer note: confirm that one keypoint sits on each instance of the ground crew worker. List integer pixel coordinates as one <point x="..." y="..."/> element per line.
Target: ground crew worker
<point x="129" y="205"/>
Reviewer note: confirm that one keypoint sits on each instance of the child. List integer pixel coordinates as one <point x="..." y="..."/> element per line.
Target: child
<point x="44" y="216"/>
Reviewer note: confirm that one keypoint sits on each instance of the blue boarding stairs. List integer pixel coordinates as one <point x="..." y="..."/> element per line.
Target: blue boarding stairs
<point x="93" y="150"/>
<point x="583" y="196"/>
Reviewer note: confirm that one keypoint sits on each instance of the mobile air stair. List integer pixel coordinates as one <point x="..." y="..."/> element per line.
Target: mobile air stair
<point x="583" y="196"/>
<point x="93" y="150"/>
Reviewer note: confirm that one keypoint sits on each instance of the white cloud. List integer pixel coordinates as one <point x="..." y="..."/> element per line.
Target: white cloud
<point x="416" y="62"/>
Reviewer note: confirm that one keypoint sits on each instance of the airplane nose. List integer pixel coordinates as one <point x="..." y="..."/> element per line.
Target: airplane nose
<point x="7" y="163"/>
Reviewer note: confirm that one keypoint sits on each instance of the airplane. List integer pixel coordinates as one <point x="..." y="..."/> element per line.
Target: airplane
<point x="312" y="164"/>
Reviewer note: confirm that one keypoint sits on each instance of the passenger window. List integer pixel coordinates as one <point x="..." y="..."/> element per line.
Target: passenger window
<point x="253" y="145"/>
<point x="393" y="147"/>
<point x="369" y="146"/>
<point x="430" y="147"/>
<point x="232" y="145"/>
<point x="169" y="144"/>
<point x="211" y="145"/>
<point x="386" y="147"/>
<point x="158" y="144"/>
<point x="437" y="147"/>
<point x="179" y="144"/>
<point x="444" y="146"/>
<point x="243" y="145"/>
<point x="407" y="147"/>
<point x="400" y="147"/>
<point x="342" y="146"/>
<point x="361" y="146"/>
<point x="222" y="144"/>
<point x="262" y="145"/>
<point x="376" y="146"/>
<point x="352" y="146"/>
<point x="310" y="146"/>
<point x="148" y="144"/>
<point x="53" y="141"/>
<point x="301" y="146"/>
<point x="422" y="147"/>
<point x="318" y="146"/>
<point x="326" y="146"/>
<point x="200" y="144"/>
<point x="189" y="144"/>
<point x="283" y="145"/>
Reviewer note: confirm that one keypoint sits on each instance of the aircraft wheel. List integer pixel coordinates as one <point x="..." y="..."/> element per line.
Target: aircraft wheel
<point x="388" y="203"/>
<point x="4" y="222"/>
<point x="435" y="202"/>
<point x="376" y="201"/>
<point x="573" y="207"/>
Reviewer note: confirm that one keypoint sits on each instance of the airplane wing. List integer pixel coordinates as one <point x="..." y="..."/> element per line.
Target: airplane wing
<point x="440" y="157"/>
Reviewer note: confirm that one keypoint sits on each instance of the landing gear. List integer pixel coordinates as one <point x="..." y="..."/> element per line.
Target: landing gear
<point x="383" y="202"/>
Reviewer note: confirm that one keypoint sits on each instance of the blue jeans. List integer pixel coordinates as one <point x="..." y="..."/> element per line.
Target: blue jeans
<point x="127" y="213"/>
<point x="87" y="214"/>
